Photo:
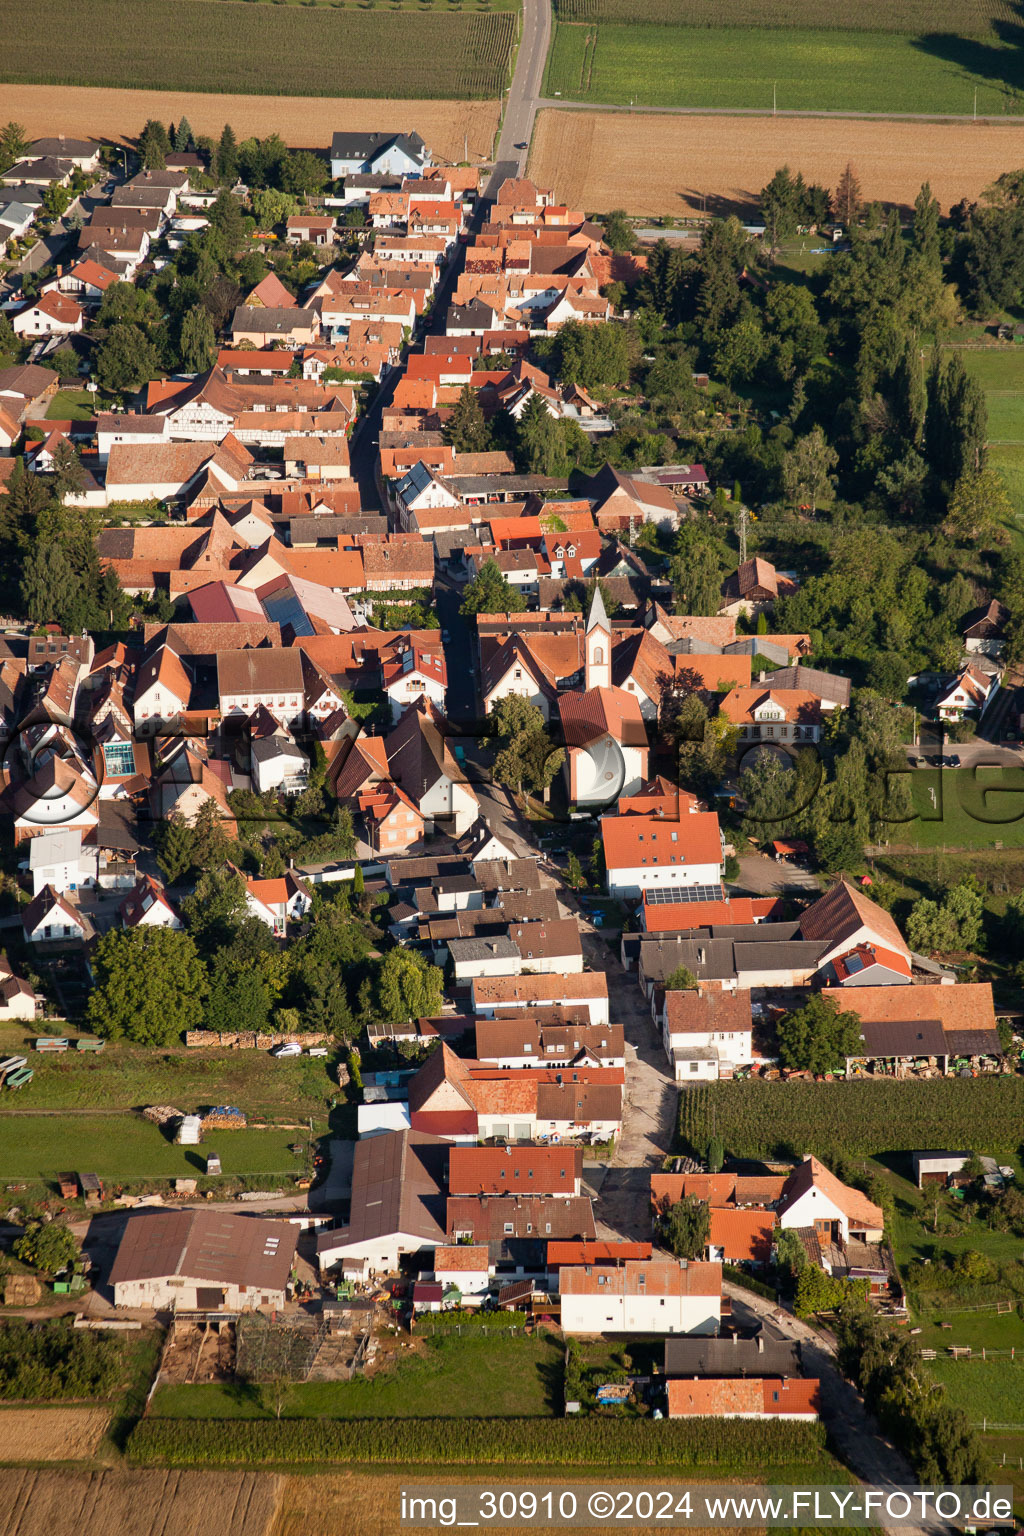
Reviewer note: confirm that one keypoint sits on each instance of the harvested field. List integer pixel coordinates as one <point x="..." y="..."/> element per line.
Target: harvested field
<point x="50" y="1434"/>
<point x="364" y="1506"/>
<point x="308" y="121"/>
<point x="139" y="1503"/>
<point x="602" y="160"/>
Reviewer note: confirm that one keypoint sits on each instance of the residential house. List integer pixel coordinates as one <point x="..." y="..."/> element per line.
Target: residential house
<point x="278" y="902"/>
<point x="262" y="326"/>
<point x="17" y="998"/>
<point x="983" y="630"/>
<point x="967" y="694"/>
<point x="529" y="1040"/>
<point x="57" y="859"/>
<point x="792" y="1400"/>
<point x="648" y="853"/>
<point x="773" y="716"/>
<point x="378" y="154"/>
<point x="845" y="920"/>
<point x="707" y="1034"/>
<point x="515" y="1170"/>
<point x="262" y="677"/>
<point x="465" y="1268"/>
<point x="148" y="906"/>
<point x="497" y="994"/>
<point x="754" y="588"/>
<point x="657" y="1296"/>
<point x="49" y="918"/>
<point x="812" y="1197"/>
<point x="52" y="314"/>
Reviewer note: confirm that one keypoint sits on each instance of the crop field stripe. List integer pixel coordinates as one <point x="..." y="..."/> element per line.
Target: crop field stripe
<point x="975" y="18"/>
<point x="737" y="68"/>
<point x="192" y="45"/>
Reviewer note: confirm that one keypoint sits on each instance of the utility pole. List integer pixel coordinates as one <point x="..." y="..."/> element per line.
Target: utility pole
<point x="975" y="103"/>
<point x="465" y="148"/>
<point x="775" y="84"/>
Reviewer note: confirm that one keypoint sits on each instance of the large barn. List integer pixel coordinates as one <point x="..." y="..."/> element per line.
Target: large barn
<point x="203" y="1261"/>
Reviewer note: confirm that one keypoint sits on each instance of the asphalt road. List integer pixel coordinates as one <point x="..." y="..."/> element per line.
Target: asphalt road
<point x="524" y="93"/>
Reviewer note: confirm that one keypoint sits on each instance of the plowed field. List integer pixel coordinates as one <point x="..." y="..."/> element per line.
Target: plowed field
<point x="138" y="1503"/>
<point x="663" y="164"/>
<point x="90" y="111"/>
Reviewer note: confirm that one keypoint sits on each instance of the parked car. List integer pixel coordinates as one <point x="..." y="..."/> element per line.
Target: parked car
<point x="287" y="1048"/>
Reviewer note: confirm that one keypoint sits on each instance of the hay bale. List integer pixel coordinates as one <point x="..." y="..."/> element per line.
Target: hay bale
<point x="22" y="1291"/>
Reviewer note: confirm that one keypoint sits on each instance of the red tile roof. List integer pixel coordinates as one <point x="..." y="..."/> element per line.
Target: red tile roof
<point x="632" y="841"/>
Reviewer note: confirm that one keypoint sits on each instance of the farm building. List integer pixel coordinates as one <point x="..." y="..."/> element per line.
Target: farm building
<point x="937" y="1167"/>
<point x="202" y="1261"/>
<point x="659" y="1296"/>
<point x="398" y="1204"/>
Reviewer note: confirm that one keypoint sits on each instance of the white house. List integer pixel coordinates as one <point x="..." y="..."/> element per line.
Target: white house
<point x="17" y="999"/>
<point x="420" y="490"/>
<point x="707" y="1034"/>
<point x="162" y="689"/>
<point x="52" y="314"/>
<point x="813" y="1197"/>
<point x="466" y="1266"/>
<point x="147" y="906"/>
<point x="966" y="695"/>
<point x="278" y="764"/>
<point x="641" y="1296"/>
<point x="58" y="859"/>
<point x="48" y="917"/>
<point x="277" y="902"/>
<point x="646" y="853"/>
<point x="497" y="956"/>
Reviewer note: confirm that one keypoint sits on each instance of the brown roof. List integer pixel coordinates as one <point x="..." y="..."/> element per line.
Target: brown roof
<point x="539" y="989"/>
<point x="514" y="1170"/>
<point x="486" y="1217"/>
<point x="262" y="670"/>
<point x="553" y="1044"/>
<point x="701" y="1012"/>
<point x="463" y="1257"/>
<point x="546" y="941"/>
<point x="654" y="1277"/>
<point x="854" y="1204"/>
<point x="215" y="1247"/>
<point x="967" y="1006"/>
<point x="397" y="1186"/>
<point x="838" y="915"/>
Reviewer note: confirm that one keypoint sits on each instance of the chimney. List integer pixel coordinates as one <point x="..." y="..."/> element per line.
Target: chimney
<point x="760" y="1343"/>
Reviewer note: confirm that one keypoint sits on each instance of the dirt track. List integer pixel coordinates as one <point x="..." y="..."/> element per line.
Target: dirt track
<point x="50" y="1434"/>
<point x="305" y="120"/>
<point x="652" y="164"/>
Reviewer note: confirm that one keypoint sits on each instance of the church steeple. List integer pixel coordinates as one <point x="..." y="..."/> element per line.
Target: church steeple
<point x="598" y="645"/>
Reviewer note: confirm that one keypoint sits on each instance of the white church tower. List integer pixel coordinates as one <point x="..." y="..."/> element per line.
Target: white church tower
<point x="598" y="668"/>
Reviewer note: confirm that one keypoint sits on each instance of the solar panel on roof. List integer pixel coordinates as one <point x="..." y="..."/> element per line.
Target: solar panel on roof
<point x="663" y="895"/>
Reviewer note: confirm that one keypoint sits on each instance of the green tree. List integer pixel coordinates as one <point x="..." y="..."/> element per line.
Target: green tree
<point x="715" y="1154"/>
<point x="13" y="145"/>
<point x="226" y="159"/>
<point x="198" y="344"/>
<point x="818" y="1037"/>
<point x="695" y="571"/>
<point x="50" y="589"/>
<point x="807" y="476"/>
<point x="465" y="428"/>
<point x="175" y="844"/>
<point x="408" y="987"/>
<point x="686" y="1227"/>
<point x="303" y="172"/>
<point x="780" y="209"/>
<point x="237" y="1001"/>
<point x="489" y="592"/>
<point x="272" y="207"/>
<point x="149" y="986"/>
<point x="790" y="1256"/>
<point x="926" y="225"/>
<point x="48" y="1246"/>
<point x="215" y="909"/>
<point x="817" y="1291"/>
<point x="618" y="231"/>
<point x="979" y="508"/>
<point x="184" y="138"/>
<point x="574" y="872"/>
<point x="681" y="979"/>
<point x="126" y="360"/>
<point x="154" y="145"/>
<point x="226" y="234"/>
<point x="67" y="477"/>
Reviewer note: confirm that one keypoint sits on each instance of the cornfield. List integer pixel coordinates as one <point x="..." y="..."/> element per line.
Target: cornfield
<point x="286" y="50"/>
<point x="726" y="1446"/>
<point x="759" y="1119"/>
<point x="976" y="18"/>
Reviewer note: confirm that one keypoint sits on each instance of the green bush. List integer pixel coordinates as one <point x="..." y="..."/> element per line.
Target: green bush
<point x="442" y="1442"/>
<point x="51" y="1360"/>
<point x="748" y="1282"/>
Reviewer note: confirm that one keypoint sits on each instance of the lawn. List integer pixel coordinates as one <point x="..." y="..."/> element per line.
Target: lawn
<point x="964" y="808"/>
<point x="466" y="1378"/>
<point x="991" y="1390"/>
<point x="72" y="405"/>
<point x="127" y="1147"/>
<point x="1000" y="371"/>
<point x="808" y="69"/>
<point x="127" y="1076"/>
